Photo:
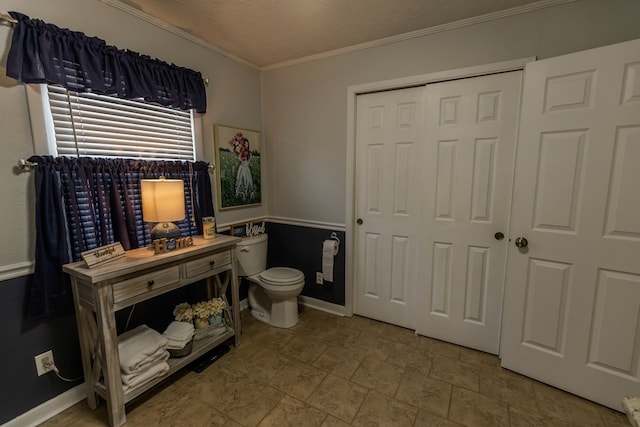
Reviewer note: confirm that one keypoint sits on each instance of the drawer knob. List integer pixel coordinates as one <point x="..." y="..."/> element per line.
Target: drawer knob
<point x="150" y="283"/>
<point x="211" y="263"/>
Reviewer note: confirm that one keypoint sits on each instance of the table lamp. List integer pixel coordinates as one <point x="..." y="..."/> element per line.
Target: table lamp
<point x="163" y="202"/>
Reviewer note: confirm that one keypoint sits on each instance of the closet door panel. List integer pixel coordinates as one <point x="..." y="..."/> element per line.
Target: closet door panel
<point x="470" y="149"/>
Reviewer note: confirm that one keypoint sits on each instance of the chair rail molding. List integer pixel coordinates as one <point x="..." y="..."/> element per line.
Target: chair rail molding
<point x="16" y="270"/>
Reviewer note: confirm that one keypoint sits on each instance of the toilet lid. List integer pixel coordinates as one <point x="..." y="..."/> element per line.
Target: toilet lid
<point x="281" y="276"/>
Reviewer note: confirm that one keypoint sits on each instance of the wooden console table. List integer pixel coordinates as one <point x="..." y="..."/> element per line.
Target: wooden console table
<point x="138" y="276"/>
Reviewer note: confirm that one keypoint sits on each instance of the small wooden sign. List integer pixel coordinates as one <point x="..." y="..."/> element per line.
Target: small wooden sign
<point x="102" y="254"/>
<point x="163" y="245"/>
<point x="247" y="229"/>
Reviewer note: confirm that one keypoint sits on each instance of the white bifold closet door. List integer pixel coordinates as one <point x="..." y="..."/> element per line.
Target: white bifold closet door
<point x="434" y="169"/>
<point x="572" y="300"/>
<point x="388" y="166"/>
<point x="471" y="128"/>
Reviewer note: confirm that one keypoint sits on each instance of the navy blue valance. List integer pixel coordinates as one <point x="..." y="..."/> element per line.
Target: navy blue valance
<point x="44" y="53"/>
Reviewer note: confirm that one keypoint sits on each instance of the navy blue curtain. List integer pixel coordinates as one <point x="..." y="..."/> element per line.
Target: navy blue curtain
<point x="45" y="53"/>
<point x="84" y="203"/>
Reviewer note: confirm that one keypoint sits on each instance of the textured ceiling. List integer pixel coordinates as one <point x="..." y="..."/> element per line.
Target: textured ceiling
<point x="267" y="32"/>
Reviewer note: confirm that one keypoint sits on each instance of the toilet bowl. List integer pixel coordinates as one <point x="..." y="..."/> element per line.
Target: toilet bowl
<point x="273" y="292"/>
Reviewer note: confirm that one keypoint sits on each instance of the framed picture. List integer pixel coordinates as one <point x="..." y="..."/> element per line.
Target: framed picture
<point x="237" y="167"/>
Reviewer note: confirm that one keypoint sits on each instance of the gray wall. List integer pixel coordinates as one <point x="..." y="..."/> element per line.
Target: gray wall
<point x="305" y="105"/>
<point x="234" y="98"/>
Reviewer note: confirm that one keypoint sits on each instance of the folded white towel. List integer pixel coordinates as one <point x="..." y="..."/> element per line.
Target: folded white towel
<point x="153" y="372"/>
<point x="138" y="345"/>
<point x="179" y="331"/>
<point x="153" y="363"/>
<point x="162" y="355"/>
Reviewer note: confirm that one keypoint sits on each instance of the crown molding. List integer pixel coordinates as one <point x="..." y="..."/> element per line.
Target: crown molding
<point x="177" y="31"/>
<point x="368" y="45"/>
<point x="421" y="33"/>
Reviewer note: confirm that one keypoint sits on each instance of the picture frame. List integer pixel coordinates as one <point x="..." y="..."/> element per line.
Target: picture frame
<point x="238" y="174"/>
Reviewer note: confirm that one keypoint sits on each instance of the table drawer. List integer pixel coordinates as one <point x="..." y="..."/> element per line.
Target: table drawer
<point x="206" y="263"/>
<point x="135" y="286"/>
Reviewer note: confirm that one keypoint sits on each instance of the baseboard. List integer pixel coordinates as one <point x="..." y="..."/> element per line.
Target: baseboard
<point x="329" y="307"/>
<point x="50" y="408"/>
<point x="314" y="303"/>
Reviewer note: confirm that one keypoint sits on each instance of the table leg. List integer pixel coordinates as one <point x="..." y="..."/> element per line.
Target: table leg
<point x="87" y="344"/>
<point x="235" y="297"/>
<point x="111" y="363"/>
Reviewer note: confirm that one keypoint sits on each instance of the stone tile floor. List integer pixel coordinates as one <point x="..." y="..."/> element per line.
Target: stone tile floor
<point x="339" y="371"/>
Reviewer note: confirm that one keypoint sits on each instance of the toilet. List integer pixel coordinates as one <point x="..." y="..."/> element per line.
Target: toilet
<point x="273" y="292"/>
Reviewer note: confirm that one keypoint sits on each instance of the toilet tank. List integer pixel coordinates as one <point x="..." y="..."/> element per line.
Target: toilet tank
<point x="252" y="255"/>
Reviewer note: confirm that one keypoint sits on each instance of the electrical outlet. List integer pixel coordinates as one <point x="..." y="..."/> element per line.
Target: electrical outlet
<point x="44" y="362"/>
<point x="319" y="278"/>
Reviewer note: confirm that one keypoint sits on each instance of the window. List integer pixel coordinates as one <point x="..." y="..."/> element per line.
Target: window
<point x="92" y="125"/>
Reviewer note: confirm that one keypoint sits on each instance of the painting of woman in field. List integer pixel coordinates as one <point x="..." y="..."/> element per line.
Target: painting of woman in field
<point x="238" y="167"/>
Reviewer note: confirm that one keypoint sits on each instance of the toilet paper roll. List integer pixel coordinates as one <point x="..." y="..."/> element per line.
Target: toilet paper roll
<point x="329" y="250"/>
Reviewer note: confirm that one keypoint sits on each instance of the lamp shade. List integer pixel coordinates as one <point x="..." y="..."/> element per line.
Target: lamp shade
<point x="162" y="200"/>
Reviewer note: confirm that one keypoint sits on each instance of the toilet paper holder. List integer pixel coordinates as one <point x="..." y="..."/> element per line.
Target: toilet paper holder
<point x="335" y="237"/>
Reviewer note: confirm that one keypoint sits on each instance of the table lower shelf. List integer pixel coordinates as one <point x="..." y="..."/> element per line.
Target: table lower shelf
<point x="200" y="347"/>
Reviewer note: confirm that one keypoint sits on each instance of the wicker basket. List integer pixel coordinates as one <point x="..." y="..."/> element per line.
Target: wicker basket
<point x="181" y="352"/>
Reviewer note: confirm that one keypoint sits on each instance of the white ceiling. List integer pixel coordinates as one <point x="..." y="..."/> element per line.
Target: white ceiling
<point x="268" y="32"/>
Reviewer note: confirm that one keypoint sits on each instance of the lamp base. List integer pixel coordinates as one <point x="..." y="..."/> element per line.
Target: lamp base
<point x="165" y="230"/>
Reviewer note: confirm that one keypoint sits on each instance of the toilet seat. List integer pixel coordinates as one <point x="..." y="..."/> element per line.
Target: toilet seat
<point x="281" y="276"/>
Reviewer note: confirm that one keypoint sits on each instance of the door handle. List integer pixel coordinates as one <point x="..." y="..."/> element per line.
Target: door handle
<point x="521" y="242"/>
<point x="499" y="235"/>
<point x="359" y="221"/>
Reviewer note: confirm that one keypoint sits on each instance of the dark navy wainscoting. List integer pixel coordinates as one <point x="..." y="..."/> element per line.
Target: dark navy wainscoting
<point x="301" y="247"/>
<point x="20" y="341"/>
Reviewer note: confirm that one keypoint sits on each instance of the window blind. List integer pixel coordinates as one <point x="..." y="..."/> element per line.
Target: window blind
<point x="92" y="125"/>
